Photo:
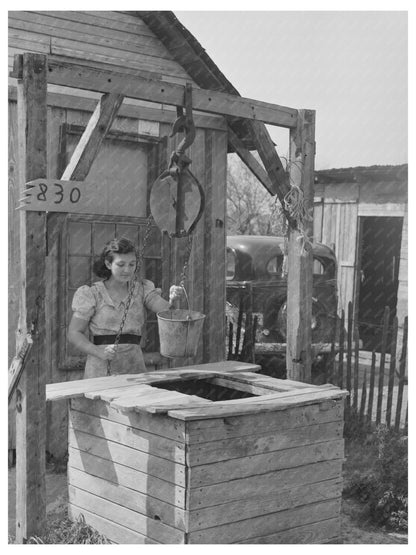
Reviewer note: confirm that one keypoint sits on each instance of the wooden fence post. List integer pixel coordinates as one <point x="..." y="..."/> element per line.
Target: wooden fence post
<point x="30" y="395"/>
<point x="392" y="370"/>
<point x="402" y="370"/>
<point x="300" y="267"/>
<point x="384" y="336"/>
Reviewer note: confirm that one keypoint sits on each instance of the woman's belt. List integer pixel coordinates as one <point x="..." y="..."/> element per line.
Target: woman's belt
<point x="111" y="339"/>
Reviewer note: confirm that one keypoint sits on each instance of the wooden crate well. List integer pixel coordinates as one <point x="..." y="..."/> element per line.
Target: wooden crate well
<point x="205" y="455"/>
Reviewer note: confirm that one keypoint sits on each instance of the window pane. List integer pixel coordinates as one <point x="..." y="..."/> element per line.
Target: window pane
<point x="79" y="238"/>
<point x="102" y="234"/>
<point x="79" y="271"/>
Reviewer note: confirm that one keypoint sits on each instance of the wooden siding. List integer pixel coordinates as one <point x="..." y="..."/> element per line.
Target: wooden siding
<point x="119" y="40"/>
<point x="402" y="293"/>
<point x="335" y="225"/>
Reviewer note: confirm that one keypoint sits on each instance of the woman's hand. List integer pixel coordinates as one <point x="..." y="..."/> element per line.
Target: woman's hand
<point x="108" y="353"/>
<point x="175" y="293"/>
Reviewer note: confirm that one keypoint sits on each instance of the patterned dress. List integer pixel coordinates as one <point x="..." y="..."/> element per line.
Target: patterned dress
<point x="95" y="305"/>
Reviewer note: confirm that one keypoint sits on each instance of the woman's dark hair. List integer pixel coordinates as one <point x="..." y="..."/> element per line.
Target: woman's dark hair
<point x="113" y="247"/>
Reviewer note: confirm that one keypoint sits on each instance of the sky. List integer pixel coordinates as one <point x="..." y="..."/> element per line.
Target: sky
<point x="349" y="66"/>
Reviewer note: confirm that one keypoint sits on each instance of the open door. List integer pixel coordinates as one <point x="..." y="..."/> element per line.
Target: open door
<point x="379" y="254"/>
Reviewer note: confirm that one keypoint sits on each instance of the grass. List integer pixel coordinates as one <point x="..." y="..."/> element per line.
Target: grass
<point x="375" y="475"/>
<point x="61" y="530"/>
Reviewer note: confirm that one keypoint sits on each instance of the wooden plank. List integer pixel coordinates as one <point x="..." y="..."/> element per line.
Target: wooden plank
<point x="128" y="477"/>
<point x="30" y="394"/>
<point x="386" y="319"/>
<point x="115" y="392"/>
<point x="123" y="454"/>
<point x="116" y="493"/>
<point x="142" y="441"/>
<point x="371" y="388"/>
<point x="255" y="405"/>
<point x="77" y="388"/>
<point x="213" y="102"/>
<point x="234" y="449"/>
<point x="300" y="261"/>
<point x="22" y="24"/>
<point x="341" y="350"/>
<point x="251" y="465"/>
<point x="112" y="531"/>
<point x="392" y="370"/>
<point x="402" y="374"/>
<point x="245" y="155"/>
<point x="273" y="423"/>
<point x="268" y="524"/>
<point x="93" y="136"/>
<point x="349" y="356"/>
<point x="282" y="499"/>
<point x="241" y="385"/>
<point x="113" y="56"/>
<point x="162" y="426"/>
<point x="324" y="531"/>
<point x="356" y="363"/>
<point x="254" y="486"/>
<point x="126" y="517"/>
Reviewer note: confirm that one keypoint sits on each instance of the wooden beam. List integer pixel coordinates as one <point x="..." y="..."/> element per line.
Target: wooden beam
<point x="30" y="394"/>
<point x="89" y="144"/>
<point x="246" y="156"/>
<point x="162" y="92"/>
<point x="274" y="167"/>
<point x="300" y="263"/>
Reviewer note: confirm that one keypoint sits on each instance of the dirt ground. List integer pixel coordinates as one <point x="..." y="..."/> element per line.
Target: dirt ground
<point x="57" y="497"/>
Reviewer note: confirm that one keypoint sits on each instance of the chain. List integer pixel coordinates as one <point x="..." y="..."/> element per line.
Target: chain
<point x="132" y="287"/>
<point x="186" y="263"/>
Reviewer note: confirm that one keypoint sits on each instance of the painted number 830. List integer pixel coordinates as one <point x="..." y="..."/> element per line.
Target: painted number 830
<point x="59" y="193"/>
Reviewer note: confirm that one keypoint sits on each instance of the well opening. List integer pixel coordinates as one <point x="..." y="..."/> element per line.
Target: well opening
<point x="205" y="389"/>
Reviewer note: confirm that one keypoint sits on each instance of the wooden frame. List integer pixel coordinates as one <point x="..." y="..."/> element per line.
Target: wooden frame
<point x="34" y="71"/>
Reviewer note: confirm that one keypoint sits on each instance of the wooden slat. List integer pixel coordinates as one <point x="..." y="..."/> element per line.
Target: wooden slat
<point x="143" y="462"/>
<point x="246" y="466"/>
<point x="254" y="486"/>
<point x="356" y="363"/>
<point x="45" y="26"/>
<point x="125" y="517"/>
<point x="161" y="426"/>
<point x="112" y="531"/>
<point x="363" y="399"/>
<point x="142" y="441"/>
<point x="341" y="350"/>
<point x="349" y="354"/>
<point x="256" y="168"/>
<point x="371" y="388"/>
<point x="324" y="531"/>
<point x="264" y="442"/>
<point x="285" y="497"/>
<point x="168" y="93"/>
<point x="402" y="373"/>
<point x="116" y="493"/>
<point x="268" y="524"/>
<point x="116" y="392"/>
<point x="256" y="405"/>
<point x="77" y="388"/>
<point x="31" y="418"/>
<point x="125" y="476"/>
<point x="268" y="423"/>
<point x="392" y="370"/>
<point x="386" y="319"/>
<point x="112" y="56"/>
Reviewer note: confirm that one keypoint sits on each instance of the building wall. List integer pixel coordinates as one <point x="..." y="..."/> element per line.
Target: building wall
<point x="123" y="43"/>
<point x="338" y="207"/>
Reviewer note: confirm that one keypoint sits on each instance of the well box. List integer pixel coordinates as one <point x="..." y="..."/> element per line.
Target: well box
<point x="208" y="454"/>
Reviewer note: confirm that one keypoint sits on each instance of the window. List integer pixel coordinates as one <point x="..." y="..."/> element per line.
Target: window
<point x="274" y="266"/>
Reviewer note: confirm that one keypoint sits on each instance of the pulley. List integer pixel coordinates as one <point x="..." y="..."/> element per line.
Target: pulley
<point x="176" y="197"/>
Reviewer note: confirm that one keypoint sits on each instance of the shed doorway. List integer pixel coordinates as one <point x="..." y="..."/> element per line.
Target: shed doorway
<point x="380" y="242"/>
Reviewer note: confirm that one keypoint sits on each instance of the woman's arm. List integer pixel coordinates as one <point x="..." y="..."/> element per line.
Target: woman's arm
<point x="76" y="335"/>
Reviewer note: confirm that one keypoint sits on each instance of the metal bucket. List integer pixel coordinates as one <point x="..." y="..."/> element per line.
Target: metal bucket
<point x="179" y="332"/>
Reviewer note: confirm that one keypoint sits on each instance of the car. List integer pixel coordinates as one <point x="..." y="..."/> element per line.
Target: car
<point x="256" y="281"/>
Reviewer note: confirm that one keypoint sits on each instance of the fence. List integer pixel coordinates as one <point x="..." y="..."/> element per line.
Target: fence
<point x="377" y="386"/>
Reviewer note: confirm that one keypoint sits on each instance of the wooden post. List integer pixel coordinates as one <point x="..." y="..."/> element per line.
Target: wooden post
<point x="300" y="263"/>
<point x="30" y="395"/>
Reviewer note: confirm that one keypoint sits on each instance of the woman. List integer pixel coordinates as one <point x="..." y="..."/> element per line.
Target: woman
<point x="100" y="309"/>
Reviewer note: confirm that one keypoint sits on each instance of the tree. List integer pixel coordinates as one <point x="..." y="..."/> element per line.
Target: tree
<point x="251" y="210"/>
